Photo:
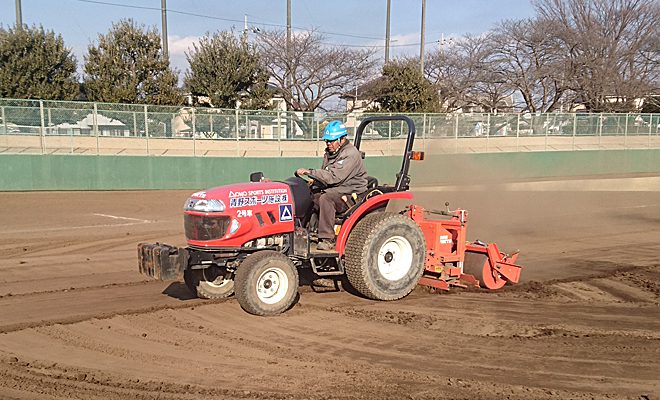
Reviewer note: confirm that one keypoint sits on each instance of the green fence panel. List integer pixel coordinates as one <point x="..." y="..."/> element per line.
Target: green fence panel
<point x="66" y="172"/>
<point x="506" y="167"/>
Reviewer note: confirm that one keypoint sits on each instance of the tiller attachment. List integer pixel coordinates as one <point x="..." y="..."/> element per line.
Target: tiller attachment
<point x="452" y="261"/>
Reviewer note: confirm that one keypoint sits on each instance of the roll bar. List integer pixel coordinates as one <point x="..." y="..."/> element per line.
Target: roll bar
<point x="402" y="178"/>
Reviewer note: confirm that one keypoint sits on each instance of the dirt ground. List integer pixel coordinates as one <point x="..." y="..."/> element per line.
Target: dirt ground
<point x="78" y="322"/>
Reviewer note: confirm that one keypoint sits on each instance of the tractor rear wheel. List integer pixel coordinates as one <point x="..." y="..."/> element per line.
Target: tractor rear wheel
<point x="477" y="265"/>
<point x="385" y="256"/>
<point x="266" y="283"/>
<point x="208" y="283"/>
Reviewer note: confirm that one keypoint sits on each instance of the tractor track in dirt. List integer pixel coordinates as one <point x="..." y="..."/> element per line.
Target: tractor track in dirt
<point x="78" y="322"/>
<point x="610" y="287"/>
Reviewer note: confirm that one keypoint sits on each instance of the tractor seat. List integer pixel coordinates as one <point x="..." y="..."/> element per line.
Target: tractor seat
<point x="361" y="198"/>
<point x="372" y="190"/>
<point x="372" y="183"/>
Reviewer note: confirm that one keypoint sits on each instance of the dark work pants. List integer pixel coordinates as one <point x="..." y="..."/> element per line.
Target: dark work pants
<point x="328" y="204"/>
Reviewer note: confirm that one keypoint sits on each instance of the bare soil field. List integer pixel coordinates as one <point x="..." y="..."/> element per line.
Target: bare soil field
<point x="78" y="322"/>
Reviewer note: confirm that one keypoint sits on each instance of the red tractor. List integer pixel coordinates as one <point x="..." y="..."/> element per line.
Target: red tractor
<point x="250" y="239"/>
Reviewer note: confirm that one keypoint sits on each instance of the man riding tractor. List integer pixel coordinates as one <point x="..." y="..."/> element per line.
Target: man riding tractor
<point x="343" y="173"/>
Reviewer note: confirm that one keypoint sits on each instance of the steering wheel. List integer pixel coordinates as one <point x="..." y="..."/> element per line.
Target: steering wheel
<point x="318" y="183"/>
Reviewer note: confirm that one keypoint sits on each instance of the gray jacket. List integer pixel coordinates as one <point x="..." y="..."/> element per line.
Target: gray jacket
<point x="343" y="171"/>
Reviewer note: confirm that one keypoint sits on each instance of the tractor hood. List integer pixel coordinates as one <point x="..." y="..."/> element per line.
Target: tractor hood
<point x="240" y="195"/>
<point x="231" y="215"/>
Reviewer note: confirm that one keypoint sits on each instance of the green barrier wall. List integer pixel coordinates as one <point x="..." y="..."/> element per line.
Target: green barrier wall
<point x="75" y="172"/>
<point x="504" y="167"/>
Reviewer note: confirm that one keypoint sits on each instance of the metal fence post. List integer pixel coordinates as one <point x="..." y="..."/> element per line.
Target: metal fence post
<point x="318" y="139"/>
<point x="50" y="123"/>
<point x="518" y="132"/>
<point x="650" y="127"/>
<point x="423" y="132"/>
<point x="456" y="134"/>
<point x="194" y="121"/>
<point x="4" y="120"/>
<point x="279" y="133"/>
<point x="600" y="129"/>
<point x="389" y="137"/>
<point x="135" y="129"/>
<point x="238" y="129"/>
<point x="574" y="129"/>
<point x="96" y="127"/>
<point x="545" y="145"/>
<point x="43" y="128"/>
<point x="355" y="126"/>
<point x="146" y="128"/>
<point x="487" y="132"/>
<point x="71" y="139"/>
<point x="625" y="132"/>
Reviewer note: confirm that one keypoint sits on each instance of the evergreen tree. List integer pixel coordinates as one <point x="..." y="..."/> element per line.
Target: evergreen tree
<point x="35" y="64"/>
<point x="128" y="66"/>
<point x="227" y="69"/>
<point x="403" y="88"/>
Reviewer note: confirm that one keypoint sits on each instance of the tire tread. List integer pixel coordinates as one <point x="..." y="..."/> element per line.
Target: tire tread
<point x="242" y="287"/>
<point x="357" y="252"/>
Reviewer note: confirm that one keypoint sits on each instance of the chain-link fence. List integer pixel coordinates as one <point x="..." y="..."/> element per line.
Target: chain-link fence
<point x="47" y="127"/>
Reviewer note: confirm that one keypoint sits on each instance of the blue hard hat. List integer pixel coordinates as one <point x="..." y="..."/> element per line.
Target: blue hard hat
<point x="334" y="130"/>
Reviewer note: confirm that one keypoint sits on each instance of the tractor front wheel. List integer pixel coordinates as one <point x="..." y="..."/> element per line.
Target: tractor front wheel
<point x="385" y="256"/>
<point x="209" y="283"/>
<point x="266" y="283"/>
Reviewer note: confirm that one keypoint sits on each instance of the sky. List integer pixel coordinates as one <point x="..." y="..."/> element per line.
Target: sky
<point x="345" y="22"/>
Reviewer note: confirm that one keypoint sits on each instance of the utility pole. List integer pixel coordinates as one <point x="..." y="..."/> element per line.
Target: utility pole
<point x="19" y="15"/>
<point x="421" y="45"/>
<point x="288" y="62"/>
<point x="387" y="33"/>
<point x="163" y="7"/>
<point x="288" y="43"/>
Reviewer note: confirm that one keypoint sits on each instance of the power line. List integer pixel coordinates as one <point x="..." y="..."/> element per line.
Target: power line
<point x="375" y="45"/>
<point x="191" y="14"/>
<point x="271" y="24"/>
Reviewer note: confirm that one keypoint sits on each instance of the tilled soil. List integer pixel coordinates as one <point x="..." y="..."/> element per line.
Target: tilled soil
<point x="78" y="322"/>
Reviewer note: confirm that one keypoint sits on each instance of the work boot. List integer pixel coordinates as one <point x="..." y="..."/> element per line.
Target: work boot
<point x="325" y="245"/>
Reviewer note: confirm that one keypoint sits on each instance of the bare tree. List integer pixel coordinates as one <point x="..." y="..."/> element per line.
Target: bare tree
<point x="529" y="58"/>
<point x="467" y="74"/>
<point x="448" y="69"/>
<point x="611" y="48"/>
<point x="315" y="71"/>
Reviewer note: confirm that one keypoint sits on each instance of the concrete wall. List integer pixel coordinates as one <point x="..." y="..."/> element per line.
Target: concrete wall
<point x="80" y="172"/>
<point x="372" y="145"/>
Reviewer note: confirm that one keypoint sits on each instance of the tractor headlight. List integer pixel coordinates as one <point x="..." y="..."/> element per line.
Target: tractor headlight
<point x="204" y="205"/>
<point x="233" y="227"/>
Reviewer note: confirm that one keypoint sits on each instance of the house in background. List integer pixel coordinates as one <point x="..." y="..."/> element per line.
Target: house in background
<point x="106" y="127"/>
